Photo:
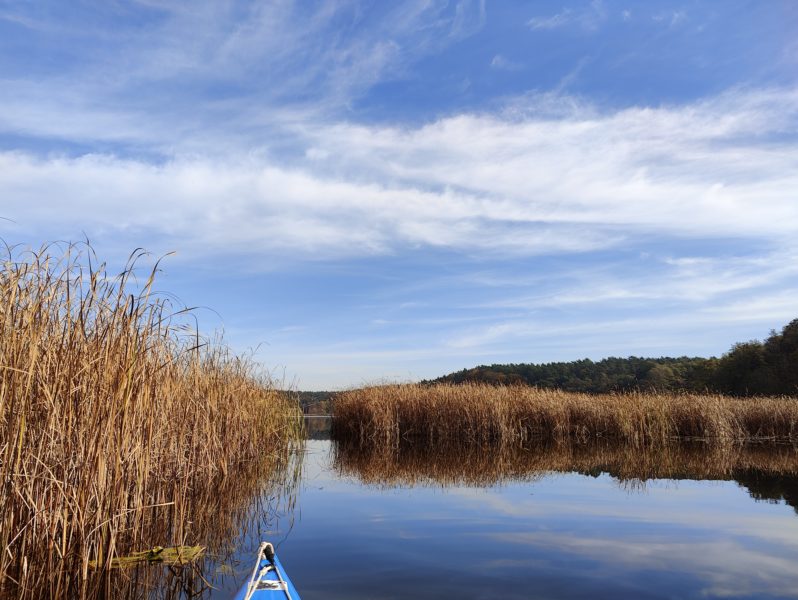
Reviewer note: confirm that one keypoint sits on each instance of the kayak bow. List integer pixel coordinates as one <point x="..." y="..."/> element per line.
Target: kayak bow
<point x="268" y="580"/>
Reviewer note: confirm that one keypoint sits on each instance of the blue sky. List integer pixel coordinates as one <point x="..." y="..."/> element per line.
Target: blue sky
<point x="397" y="190"/>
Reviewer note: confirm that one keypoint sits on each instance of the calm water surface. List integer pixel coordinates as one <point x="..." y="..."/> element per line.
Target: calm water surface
<point x="356" y="534"/>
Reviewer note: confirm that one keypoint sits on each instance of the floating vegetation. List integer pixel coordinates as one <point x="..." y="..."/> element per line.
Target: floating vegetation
<point x="120" y="426"/>
<point x="180" y="555"/>
<point x="485" y="414"/>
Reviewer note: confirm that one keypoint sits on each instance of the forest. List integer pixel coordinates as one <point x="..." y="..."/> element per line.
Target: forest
<point x="750" y="368"/>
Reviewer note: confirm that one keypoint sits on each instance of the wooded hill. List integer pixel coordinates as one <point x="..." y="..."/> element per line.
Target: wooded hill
<point x="749" y="368"/>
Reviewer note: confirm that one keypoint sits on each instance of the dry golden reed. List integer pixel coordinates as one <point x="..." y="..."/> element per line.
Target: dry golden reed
<point x="480" y="414"/>
<point x="113" y="413"/>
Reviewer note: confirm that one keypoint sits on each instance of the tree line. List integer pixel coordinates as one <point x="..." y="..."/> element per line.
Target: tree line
<point x="748" y="369"/>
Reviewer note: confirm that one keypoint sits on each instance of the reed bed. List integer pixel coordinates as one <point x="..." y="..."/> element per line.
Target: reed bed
<point x="449" y="465"/>
<point x="115" y="418"/>
<point x="483" y="414"/>
<point x="226" y="518"/>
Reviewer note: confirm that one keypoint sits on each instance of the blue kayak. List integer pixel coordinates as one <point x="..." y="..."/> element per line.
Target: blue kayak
<point x="268" y="580"/>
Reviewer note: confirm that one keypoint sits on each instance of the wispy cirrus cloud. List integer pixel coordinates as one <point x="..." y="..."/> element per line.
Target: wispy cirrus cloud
<point x="503" y="63"/>
<point x="589" y="18"/>
<point x="723" y="167"/>
<point x="275" y="59"/>
<point x="553" y="22"/>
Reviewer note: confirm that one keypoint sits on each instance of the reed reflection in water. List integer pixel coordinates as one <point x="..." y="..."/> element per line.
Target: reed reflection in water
<point x="770" y="472"/>
<point x="229" y="520"/>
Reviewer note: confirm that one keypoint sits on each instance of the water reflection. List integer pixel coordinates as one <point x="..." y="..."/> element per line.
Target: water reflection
<point x="768" y="472"/>
<point x="594" y="521"/>
<point x="228" y="520"/>
<point x="568" y="521"/>
<point x="318" y="427"/>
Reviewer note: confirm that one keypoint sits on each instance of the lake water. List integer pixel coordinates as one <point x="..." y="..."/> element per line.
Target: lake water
<point x="534" y="525"/>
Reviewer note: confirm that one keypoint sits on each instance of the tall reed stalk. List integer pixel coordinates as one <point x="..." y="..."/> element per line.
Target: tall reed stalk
<point x="480" y="414"/>
<point x="112" y="413"/>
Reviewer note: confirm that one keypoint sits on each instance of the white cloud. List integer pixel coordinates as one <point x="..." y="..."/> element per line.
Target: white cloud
<point x="504" y="64"/>
<point x="724" y="167"/>
<point x="251" y="207"/>
<point x="706" y="169"/>
<point x="552" y="22"/>
<point x="589" y="19"/>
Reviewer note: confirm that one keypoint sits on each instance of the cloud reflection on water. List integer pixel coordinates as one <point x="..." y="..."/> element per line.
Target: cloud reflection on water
<point x="602" y="521"/>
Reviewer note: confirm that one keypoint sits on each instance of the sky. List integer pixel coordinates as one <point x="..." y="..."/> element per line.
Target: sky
<point x="379" y="191"/>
